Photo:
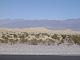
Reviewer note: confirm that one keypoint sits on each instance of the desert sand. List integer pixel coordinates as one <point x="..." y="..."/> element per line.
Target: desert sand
<point x="40" y="29"/>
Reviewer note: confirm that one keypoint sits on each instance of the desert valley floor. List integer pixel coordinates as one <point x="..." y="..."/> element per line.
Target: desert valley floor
<point x="39" y="41"/>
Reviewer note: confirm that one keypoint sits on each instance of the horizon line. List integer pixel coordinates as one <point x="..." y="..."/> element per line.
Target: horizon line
<point x="36" y="19"/>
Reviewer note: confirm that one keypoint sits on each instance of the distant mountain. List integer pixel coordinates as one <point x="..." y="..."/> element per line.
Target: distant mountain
<point x="51" y="24"/>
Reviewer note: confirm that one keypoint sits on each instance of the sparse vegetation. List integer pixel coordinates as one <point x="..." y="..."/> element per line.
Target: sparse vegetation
<point x="38" y="38"/>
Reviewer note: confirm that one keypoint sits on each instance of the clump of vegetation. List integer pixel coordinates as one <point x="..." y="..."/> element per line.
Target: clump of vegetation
<point x="76" y="39"/>
<point x="54" y="36"/>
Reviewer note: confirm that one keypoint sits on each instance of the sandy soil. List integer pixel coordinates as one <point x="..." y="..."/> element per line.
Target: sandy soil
<point x="39" y="29"/>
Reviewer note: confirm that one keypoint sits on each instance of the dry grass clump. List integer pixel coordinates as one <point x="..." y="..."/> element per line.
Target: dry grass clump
<point x="38" y="38"/>
<point x="76" y="39"/>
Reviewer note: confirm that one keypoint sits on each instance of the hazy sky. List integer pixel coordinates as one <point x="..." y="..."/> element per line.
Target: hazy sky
<point x="40" y="9"/>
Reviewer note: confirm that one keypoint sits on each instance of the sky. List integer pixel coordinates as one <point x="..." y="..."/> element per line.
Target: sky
<point x="39" y="9"/>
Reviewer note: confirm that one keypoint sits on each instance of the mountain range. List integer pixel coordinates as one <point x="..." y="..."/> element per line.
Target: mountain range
<point x="51" y="24"/>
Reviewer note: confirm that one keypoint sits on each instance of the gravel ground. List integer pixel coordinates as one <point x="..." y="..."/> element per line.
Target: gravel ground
<point x="24" y="49"/>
